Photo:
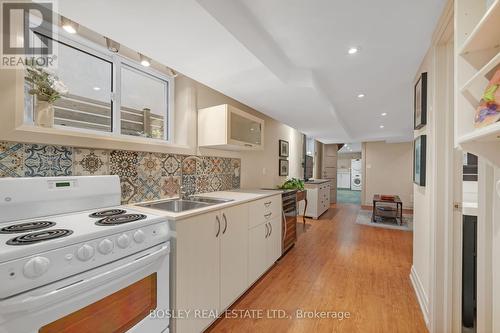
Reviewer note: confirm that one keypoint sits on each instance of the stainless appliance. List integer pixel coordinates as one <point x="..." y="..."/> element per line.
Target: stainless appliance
<point x="73" y="259"/>
<point x="289" y="200"/>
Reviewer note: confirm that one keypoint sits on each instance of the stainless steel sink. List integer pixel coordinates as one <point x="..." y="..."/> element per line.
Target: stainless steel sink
<point x="179" y="205"/>
<point x="209" y="200"/>
<point x="176" y="206"/>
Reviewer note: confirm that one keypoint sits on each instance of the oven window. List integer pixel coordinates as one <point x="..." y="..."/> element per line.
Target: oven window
<point x="115" y="313"/>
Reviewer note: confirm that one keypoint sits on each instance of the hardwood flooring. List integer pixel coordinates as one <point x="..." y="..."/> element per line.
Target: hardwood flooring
<point x="336" y="265"/>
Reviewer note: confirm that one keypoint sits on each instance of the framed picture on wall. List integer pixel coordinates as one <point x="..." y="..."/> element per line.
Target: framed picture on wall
<point x="283" y="146"/>
<point x="419" y="155"/>
<point x="420" y="102"/>
<point x="283" y="167"/>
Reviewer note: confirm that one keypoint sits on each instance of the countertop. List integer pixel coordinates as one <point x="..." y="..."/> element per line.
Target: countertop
<point x="238" y="197"/>
<point x="317" y="181"/>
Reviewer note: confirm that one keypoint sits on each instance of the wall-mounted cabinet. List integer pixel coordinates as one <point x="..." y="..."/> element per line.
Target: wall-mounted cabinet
<point x="477" y="57"/>
<point x="226" y="127"/>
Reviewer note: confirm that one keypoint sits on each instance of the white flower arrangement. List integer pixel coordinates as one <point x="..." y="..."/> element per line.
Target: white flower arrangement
<point x="45" y="84"/>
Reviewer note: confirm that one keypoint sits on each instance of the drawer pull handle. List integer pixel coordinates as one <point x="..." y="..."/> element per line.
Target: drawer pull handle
<point x="267" y="203"/>
<point x="268" y="215"/>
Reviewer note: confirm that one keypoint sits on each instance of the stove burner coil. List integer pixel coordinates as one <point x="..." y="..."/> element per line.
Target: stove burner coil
<point x="39" y="236"/>
<point x="26" y="227"/>
<point x="120" y="219"/>
<point x="107" y="213"/>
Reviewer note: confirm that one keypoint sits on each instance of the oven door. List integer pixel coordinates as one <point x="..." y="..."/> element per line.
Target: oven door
<point x="113" y="298"/>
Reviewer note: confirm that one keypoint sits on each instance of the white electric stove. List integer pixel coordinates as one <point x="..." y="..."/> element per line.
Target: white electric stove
<point x="66" y="245"/>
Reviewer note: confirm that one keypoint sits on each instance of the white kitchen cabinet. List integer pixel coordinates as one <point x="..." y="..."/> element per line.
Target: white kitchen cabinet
<point x="318" y="198"/>
<point x="226" y="127"/>
<point x="234" y="254"/>
<point x="197" y="269"/>
<point x="257" y="252"/>
<point x="211" y="263"/>
<point x="265" y="236"/>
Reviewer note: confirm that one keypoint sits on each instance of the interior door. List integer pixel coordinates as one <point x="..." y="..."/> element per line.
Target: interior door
<point x="198" y="269"/>
<point x="234" y="253"/>
<point x="257" y="251"/>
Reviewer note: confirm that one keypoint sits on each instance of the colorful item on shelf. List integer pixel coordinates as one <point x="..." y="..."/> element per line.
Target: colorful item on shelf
<point x="387" y="197"/>
<point x="488" y="111"/>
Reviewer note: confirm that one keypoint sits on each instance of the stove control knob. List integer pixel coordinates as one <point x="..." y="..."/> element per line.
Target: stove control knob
<point x="36" y="267"/>
<point x="139" y="236"/>
<point x="86" y="252"/>
<point x="123" y="241"/>
<point x="105" y="246"/>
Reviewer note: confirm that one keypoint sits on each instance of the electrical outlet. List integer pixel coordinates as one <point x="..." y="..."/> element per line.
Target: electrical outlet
<point x="264" y="171"/>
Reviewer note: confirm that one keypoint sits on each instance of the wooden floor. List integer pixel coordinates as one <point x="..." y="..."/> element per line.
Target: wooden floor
<point x="337" y="265"/>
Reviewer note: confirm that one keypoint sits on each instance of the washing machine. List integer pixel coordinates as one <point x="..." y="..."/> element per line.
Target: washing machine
<point x="356" y="184"/>
<point x="356" y="178"/>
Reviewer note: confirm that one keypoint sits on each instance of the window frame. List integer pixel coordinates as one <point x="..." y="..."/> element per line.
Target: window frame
<point x="117" y="61"/>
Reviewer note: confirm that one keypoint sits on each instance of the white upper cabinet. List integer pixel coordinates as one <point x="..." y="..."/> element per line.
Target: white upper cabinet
<point x="226" y="127"/>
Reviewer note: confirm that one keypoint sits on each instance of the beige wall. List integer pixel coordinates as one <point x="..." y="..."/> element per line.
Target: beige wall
<point x="259" y="168"/>
<point x="388" y="170"/>
<point x="344" y="159"/>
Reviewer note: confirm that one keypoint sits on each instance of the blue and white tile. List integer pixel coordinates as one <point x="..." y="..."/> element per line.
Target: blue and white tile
<point x="43" y="161"/>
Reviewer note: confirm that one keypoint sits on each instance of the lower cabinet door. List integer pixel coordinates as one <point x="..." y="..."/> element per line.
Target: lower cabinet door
<point x="257" y="252"/>
<point x="273" y="242"/>
<point x="234" y="254"/>
<point x="197" y="270"/>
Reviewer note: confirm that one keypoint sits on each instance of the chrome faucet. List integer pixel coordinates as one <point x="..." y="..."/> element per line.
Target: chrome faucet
<point x="183" y="195"/>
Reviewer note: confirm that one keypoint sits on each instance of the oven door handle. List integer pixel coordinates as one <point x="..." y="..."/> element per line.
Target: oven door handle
<point x="33" y="302"/>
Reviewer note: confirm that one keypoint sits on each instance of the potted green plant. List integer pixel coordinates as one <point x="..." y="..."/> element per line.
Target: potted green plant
<point x="292" y="184"/>
<point x="47" y="88"/>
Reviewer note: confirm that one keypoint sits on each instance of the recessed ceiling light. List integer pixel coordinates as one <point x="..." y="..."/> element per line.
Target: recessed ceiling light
<point x="96" y="88"/>
<point x="145" y="61"/>
<point x="352" y="50"/>
<point x="381" y="126"/>
<point x="361" y="95"/>
<point x="68" y="25"/>
<point x="384" y="114"/>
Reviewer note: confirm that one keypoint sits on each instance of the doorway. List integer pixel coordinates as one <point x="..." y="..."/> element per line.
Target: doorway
<point x="349" y="174"/>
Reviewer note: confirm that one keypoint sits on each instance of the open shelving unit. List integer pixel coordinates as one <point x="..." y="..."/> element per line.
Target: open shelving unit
<point x="477" y="57"/>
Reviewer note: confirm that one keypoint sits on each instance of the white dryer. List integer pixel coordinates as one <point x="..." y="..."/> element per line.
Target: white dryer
<point x="356" y="177"/>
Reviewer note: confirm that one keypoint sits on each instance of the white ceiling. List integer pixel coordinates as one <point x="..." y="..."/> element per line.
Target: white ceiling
<point x="286" y="58"/>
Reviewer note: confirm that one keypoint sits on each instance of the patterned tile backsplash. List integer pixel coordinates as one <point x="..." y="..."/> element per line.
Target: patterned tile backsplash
<point x="144" y="176"/>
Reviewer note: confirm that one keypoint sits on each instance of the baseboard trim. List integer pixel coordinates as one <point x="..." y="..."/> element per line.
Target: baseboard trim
<point x="422" y="298"/>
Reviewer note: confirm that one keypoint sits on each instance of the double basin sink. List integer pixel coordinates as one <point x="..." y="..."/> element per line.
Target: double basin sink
<point x="182" y="205"/>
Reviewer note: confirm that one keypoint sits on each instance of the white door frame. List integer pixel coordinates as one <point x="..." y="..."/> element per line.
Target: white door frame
<point x="446" y="182"/>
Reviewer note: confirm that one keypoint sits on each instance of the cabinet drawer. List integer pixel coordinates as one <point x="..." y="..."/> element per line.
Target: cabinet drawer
<point x="263" y="210"/>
